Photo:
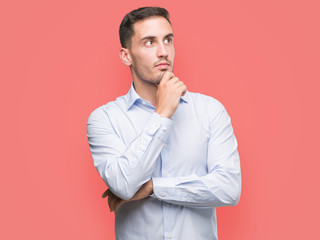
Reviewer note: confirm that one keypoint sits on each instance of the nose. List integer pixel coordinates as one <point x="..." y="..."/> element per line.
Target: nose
<point x="162" y="51"/>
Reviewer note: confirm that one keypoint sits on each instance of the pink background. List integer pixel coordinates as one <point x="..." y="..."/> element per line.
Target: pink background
<point x="59" y="61"/>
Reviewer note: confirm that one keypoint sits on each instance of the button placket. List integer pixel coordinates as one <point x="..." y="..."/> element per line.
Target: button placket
<point x="168" y="213"/>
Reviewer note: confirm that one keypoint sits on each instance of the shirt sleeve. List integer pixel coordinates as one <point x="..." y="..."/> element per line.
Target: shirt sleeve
<point x="221" y="186"/>
<point x="125" y="168"/>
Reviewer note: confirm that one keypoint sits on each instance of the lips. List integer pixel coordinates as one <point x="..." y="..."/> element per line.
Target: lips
<point x="163" y="65"/>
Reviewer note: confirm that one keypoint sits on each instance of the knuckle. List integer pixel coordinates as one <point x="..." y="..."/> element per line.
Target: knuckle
<point x="169" y="74"/>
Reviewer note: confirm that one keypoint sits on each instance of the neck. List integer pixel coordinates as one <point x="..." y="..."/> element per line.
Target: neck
<point x="146" y="91"/>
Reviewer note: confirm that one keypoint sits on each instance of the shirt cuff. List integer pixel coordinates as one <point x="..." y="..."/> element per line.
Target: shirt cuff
<point x="164" y="188"/>
<point x="159" y="127"/>
<point x="168" y="189"/>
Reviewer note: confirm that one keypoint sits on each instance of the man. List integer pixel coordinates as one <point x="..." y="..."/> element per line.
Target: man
<point x="168" y="156"/>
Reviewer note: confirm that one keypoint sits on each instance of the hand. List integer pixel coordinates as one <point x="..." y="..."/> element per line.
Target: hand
<point x="170" y="90"/>
<point x="144" y="191"/>
<point x="114" y="202"/>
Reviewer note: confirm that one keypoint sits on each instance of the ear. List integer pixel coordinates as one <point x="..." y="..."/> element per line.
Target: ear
<point x="125" y="56"/>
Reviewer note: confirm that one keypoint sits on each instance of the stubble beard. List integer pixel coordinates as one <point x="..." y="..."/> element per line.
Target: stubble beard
<point x="145" y="75"/>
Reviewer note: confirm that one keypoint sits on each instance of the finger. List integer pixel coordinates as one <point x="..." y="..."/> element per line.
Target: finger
<point x="117" y="204"/>
<point x="167" y="76"/>
<point x="106" y="193"/>
<point x="178" y="83"/>
<point x="174" y="80"/>
<point x="111" y="202"/>
<point x="183" y="89"/>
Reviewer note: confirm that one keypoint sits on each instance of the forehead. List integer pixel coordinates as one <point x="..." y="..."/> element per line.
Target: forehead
<point x="152" y="26"/>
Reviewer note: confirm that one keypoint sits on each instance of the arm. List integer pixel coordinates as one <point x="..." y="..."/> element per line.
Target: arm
<point x="125" y="168"/>
<point x="222" y="185"/>
<point x="114" y="202"/>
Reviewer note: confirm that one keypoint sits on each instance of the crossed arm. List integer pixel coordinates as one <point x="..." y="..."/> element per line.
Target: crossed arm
<point x="127" y="170"/>
<point x="121" y="167"/>
<point x="114" y="202"/>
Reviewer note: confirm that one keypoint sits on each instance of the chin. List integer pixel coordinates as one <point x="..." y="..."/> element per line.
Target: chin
<point x="158" y="79"/>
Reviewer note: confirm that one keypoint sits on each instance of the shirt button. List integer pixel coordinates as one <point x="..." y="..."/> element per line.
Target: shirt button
<point x="164" y="128"/>
<point x="144" y="102"/>
<point x="168" y="205"/>
<point x="169" y="236"/>
<point x="191" y="199"/>
<point x="164" y="145"/>
<point x="162" y="194"/>
<point x="167" y="175"/>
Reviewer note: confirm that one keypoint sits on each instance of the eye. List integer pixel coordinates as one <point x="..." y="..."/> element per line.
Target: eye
<point x="168" y="40"/>
<point x="149" y="43"/>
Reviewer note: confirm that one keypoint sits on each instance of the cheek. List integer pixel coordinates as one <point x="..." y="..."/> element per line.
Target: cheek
<point x="147" y="57"/>
<point x="172" y="52"/>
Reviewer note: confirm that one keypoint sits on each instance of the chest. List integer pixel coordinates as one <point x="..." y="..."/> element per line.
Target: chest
<point x="185" y="152"/>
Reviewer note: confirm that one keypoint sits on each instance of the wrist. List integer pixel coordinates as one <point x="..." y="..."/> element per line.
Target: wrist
<point x="151" y="187"/>
<point x="162" y="114"/>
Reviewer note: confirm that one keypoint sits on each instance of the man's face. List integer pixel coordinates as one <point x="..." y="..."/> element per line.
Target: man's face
<point x="152" y="50"/>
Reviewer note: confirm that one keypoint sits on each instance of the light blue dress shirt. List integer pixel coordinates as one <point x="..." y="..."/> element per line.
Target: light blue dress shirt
<point x="192" y="159"/>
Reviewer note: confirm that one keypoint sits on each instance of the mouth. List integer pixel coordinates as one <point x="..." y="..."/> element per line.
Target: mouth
<point x="163" y="65"/>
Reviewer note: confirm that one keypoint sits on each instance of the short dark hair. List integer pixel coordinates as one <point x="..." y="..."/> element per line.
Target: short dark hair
<point x="126" y="30"/>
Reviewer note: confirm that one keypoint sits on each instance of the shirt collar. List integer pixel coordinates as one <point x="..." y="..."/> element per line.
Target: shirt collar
<point x="185" y="98"/>
<point x="132" y="97"/>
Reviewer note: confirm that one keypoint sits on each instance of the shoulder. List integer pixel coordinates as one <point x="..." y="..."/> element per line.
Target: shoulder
<point x="213" y="110"/>
<point x="102" y="113"/>
<point x="210" y="104"/>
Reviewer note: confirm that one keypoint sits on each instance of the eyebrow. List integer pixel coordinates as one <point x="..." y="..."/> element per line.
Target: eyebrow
<point x="153" y="37"/>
